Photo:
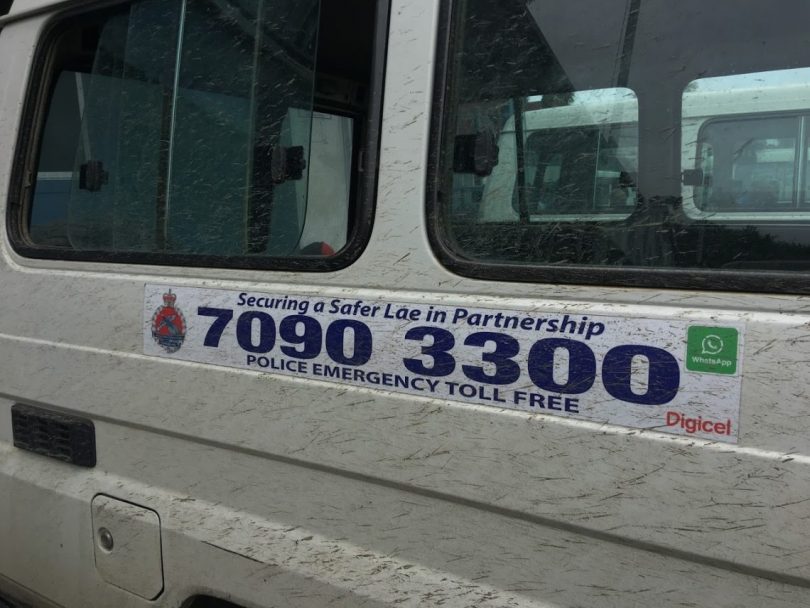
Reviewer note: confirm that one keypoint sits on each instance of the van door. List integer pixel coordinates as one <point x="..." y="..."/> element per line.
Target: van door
<point x="464" y="345"/>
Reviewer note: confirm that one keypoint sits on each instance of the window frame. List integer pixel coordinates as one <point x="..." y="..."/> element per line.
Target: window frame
<point x="39" y="89"/>
<point x="756" y="280"/>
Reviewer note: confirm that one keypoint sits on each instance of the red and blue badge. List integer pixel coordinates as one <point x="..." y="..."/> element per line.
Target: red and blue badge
<point x="169" y="324"/>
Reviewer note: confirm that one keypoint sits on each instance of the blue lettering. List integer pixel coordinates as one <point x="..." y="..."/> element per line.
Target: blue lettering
<point x="267" y="332"/>
<point x="581" y="366"/>
<point x="443" y="363"/>
<point x="460" y="314"/>
<point x="664" y="374"/>
<point x="506" y="347"/>
<point x="310" y="336"/>
<point x="361" y="347"/>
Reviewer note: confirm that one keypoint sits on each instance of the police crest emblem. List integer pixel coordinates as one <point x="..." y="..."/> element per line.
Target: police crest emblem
<point x="169" y="324"/>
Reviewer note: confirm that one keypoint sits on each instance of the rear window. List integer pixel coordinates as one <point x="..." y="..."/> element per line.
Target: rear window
<point x="626" y="142"/>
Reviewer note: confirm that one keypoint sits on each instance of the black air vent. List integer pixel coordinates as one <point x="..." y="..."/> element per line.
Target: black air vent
<point x="67" y="438"/>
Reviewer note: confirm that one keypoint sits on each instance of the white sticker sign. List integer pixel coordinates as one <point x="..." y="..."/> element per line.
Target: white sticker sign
<point x="667" y="375"/>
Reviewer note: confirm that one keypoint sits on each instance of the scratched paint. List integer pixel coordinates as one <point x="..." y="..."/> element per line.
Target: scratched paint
<point x="278" y="491"/>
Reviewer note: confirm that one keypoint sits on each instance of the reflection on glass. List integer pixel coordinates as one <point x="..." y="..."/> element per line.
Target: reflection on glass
<point x="573" y="156"/>
<point x="748" y="165"/>
<point x="638" y="134"/>
<point x="187" y="130"/>
<point x="743" y="134"/>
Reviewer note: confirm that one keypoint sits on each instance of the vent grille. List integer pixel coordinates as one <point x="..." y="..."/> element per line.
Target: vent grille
<point x="67" y="438"/>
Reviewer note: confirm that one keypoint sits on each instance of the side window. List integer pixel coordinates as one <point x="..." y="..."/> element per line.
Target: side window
<point x="638" y="144"/>
<point x="578" y="172"/>
<point x="209" y="132"/>
<point x="750" y="162"/>
<point x="749" y="165"/>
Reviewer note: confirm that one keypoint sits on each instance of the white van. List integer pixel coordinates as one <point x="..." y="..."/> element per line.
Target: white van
<point x="751" y="122"/>
<point x="480" y="303"/>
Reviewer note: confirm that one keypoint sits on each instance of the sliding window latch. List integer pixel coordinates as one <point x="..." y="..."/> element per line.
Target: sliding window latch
<point x="696" y="177"/>
<point x="476" y="153"/>
<point x="92" y="176"/>
<point x="287" y="163"/>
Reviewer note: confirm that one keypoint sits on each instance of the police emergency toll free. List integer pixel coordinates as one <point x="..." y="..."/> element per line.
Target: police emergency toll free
<point x="431" y="386"/>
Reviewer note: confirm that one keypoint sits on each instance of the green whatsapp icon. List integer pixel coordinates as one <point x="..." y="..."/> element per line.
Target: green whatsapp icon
<point x="712" y="350"/>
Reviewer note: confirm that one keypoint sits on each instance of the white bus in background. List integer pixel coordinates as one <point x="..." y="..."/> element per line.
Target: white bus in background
<point x="744" y="153"/>
<point x="745" y="136"/>
<point x="574" y="154"/>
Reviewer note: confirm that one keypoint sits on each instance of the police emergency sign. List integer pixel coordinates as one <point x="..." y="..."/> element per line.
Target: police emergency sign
<point x="671" y="376"/>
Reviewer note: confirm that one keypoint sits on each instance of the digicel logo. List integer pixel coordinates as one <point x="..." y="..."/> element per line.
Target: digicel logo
<point x="698" y="425"/>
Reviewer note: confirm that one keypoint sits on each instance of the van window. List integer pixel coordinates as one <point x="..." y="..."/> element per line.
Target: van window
<point x="639" y="136"/>
<point x="578" y="159"/>
<point x="204" y="132"/>
<point x="749" y="164"/>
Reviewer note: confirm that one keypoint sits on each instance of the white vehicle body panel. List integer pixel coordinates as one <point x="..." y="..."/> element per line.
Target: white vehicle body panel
<point x="274" y="490"/>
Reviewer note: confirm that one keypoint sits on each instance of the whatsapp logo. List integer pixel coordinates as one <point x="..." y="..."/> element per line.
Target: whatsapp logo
<point x="712" y="350"/>
<point x="712" y="345"/>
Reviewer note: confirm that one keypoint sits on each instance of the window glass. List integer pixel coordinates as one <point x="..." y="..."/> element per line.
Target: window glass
<point x="748" y="165"/>
<point x="578" y="159"/>
<point x="626" y="133"/>
<point x="743" y="135"/>
<point x="190" y="127"/>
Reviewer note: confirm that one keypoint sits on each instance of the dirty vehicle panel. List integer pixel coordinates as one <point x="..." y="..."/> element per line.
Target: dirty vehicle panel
<point x="439" y="311"/>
